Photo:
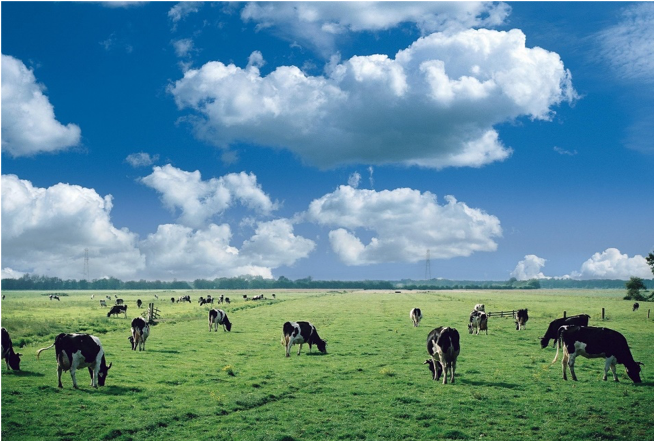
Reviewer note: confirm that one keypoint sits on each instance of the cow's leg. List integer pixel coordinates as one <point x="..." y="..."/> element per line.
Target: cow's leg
<point x="91" y="374"/>
<point x="610" y="363"/>
<point x="289" y="343"/>
<point x="59" y="371"/>
<point x="564" y="363"/>
<point x="94" y="376"/>
<point x="299" y="349"/>
<point x="571" y="363"/>
<point x="453" y="370"/>
<point x="72" y="374"/>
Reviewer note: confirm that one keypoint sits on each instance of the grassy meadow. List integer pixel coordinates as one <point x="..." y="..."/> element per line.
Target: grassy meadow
<point x="193" y="384"/>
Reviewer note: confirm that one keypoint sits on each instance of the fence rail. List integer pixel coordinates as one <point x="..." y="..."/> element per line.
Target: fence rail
<point x="511" y="313"/>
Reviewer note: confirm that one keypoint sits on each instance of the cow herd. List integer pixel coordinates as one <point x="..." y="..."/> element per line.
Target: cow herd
<point x="571" y="335"/>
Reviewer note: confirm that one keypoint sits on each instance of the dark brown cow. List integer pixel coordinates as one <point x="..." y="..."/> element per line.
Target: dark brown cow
<point x="74" y="351"/>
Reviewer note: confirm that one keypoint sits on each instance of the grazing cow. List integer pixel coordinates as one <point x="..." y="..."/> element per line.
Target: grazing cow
<point x="636" y="306"/>
<point x="118" y="309"/>
<point x="140" y="333"/>
<point x="219" y="317"/>
<point x="54" y="297"/>
<point x="416" y="316"/>
<point x="119" y="301"/>
<point x="103" y="303"/>
<point x="300" y="333"/>
<point x="201" y="300"/>
<point x="92" y="295"/>
<point x="552" y="332"/>
<point x="209" y="299"/>
<point x="479" y="307"/>
<point x="245" y="297"/>
<point x="592" y="342"/>
<point x="227" y="300"/>
<point x="273" y="296"/>
<point x="156" y="297"/>
<point x="443" y="347"/>
<point x="12" y="359"/>
<point x="184" y="299"/>
<point x="139" y="303"/>
<point x="521" y="319"/>
<point x="478" y="322"/>
<point x="108" y="297"/>
<point x="75" y="351"/>
<point x="172" y="299"/>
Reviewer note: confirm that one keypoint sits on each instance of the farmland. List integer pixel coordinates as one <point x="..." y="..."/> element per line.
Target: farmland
<point x="194" y="384"/>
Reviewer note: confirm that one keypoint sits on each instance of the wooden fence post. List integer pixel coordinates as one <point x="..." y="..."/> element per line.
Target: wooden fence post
<point x="648" y="313"/>
<point x="564" y="314"/>
<point x="602" y="313"/>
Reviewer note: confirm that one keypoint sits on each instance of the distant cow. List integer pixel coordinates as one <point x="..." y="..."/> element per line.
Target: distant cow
<point x="54" y="297"/>
<point x="182" y="299"/>
<point x="103" y="303"/>
<point x="75" y="351"/>
<point x="273" y="296"/>
<point x="521" y="319"/>
<point x="479" y="307"/>
<point x="227" y="300"/>
<point x="415" y="315"/>
<point x="552" y="332"/>
<point x="443" y="347"/>
<point x="119" y="301"/>
<point x="219" y="317"/>
<point x="636" y="306"/>
<point x="12" y="359"/>
<point x="478" y="322"/>
<point x="202" y="300"/>
<point x="118" y="309"/>
<point x="592" y="342"/>
<point x="172" y="299"/>
<point x="299" y="333"/>
<point x="139" y="303"/>
<point x="140" y="333"/>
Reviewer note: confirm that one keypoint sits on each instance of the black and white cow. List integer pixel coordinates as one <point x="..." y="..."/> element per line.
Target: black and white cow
<point x="478" y="322"/>
<point x="139" y="303"/>
<point x="416" y="315"/>
<point x="592" y="342"/>
<point x="140" y="333"/>
<point x="118" y="309"/>
<point x="119" y="301"/>
<point x="298" y="333"/>
<point x="12" y="359"/>
<point x="635" y="307"/>
<point x="552" y="332"/>
<point x="74" y="351"/>
<point x="521" y="319"/>
<point x="219" y="317"/>
<point x="54" y="297"/>
<point x="443" y="347"/>
<point x="182" y="299"/>
<point x="103" y="303"/>
<point x="479" y="307"/>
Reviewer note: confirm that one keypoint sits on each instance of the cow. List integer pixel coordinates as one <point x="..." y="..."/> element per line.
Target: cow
<point x="140" y="333"/>
<point x="592" y="342"/>
<point x="521" y="319"/>
<point x="415" y="315"/>
<point x="300" y="333"/>
<point x="479" y="307"/>
<point x="103" y="303"/>
<point x="139" y="303"/>
<point x="108" y="297"/>
<point x="227" y="300"/>
<point x="172" y="299"/>
<point x="75" y="351"/>
<point x="273" y="296"/>
<point x="245" y="297"/>
<point x="552" y="332"/>
<point x="219" y="317"/>
<point x="156" y="297"/>
<point x="635" y="307"/>
<point x="182" y="299"/>
<point x="443" y="347"/>
<point x="478" y="322"/>
<point x="12" y="359"/>
<point x="54" y="297"/>
<point x="119" y="301"/>
<point x="118" y="309"/>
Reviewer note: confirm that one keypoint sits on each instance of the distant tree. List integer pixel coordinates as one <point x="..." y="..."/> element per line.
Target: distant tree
<point x="634" y="286"/>
<point x="650" y="261"/>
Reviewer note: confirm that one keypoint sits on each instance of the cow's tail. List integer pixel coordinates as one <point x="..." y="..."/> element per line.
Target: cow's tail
<point x="557" y="343"/>
<point x="38" y="353"/>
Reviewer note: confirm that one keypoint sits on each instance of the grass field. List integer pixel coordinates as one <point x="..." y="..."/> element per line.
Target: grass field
<point x="191" y="384"/>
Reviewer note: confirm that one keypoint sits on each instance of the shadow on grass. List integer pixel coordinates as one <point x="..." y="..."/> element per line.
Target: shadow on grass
<point x="164" y="351"/>
<point x="491" y="384"/>
<point x="24" y="373"/>
<point x="121" y="390"/>
<point x="316" y="353"/>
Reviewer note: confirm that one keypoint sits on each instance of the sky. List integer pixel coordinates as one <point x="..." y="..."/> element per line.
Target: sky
<point x="338" y="141"/>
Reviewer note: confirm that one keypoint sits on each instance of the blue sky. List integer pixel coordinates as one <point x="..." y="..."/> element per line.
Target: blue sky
<point x="333" y="140"/>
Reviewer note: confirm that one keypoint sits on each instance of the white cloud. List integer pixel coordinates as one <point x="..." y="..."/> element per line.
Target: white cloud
<point x="181" y="10"/>
<point x="529" y="268"/>
<point x="319" y="24"/>
<point x="29" y="126"/>
<point x="611" y="264"/>
<point x="354" y="179"/>
<point x="404" y="223"/>
<point x="8" y="273"/>
<point x="183" y="47"/>
<point x="200" y="200"/>
<point x="562" y="151"/>
<point x="627" y="45"/>
<point x="141" y="159"/>
<point x="433" y="105"/>
<point x="45" y="231"/>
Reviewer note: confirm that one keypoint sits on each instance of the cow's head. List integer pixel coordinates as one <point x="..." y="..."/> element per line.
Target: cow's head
<point x="322" y="346"/>
<point x="14" y="360"/>
<point x="634" y="371"/>
<point x="227" y="323"/>
<point x="470" y="331"/>
<point x="102" y="375"/>
<point x="435" y="368"/>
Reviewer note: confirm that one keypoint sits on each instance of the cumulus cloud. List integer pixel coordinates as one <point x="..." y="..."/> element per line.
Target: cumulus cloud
<point x="404" y="223"/>
<point x="611" y="264"/>
<point x="45" y="231"/>
<point x="183" y="47"/>
<point x="200" y="200"/>
<point x="181" y="10"/>
<point x="529" y="268"/>
<point x="141" y="159"/>
<point x="318" y="25"/>
<point x="29" y="126"/>
<point x="438" y="100"/>
<point x="354" y="179"/>
<point x="627" y="45"/>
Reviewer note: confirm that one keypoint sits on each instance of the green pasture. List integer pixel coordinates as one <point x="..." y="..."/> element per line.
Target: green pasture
<point x="192" y="384"/>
